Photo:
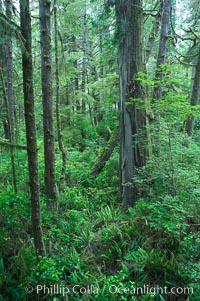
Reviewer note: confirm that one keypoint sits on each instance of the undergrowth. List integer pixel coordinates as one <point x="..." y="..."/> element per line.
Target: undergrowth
<point x="103" y="249"/>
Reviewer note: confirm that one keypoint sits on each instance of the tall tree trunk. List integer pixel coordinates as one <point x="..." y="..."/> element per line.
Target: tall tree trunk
<point x="3" y="94"/>
<point x="47" y="99"/>
<point x="84" y="78"/>
<point x="153" y="33"/>
<point x="76" y="81"/>
<point x="157" y="91"/>
<point x="59" y="133"/>
<point x="7" y="131"/>
<point x="10" y="94"/>
<point x="84" y="69"/>
<point x="194" y="97"/>
<point x="25" y="19"/>
<point x="11" y="106"/>
<point x="4" y="105"/>
<point x="133" y="120"/>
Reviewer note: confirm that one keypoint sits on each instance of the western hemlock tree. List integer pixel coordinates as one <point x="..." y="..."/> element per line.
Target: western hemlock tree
<point x="10" y="93"/>
<point x="47" y="100"/>
<point x="59" y="132"/>
<point x="27" y="66"/>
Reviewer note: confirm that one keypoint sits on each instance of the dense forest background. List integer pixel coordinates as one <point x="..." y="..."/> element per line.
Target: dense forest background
<point x="100" y="150"/>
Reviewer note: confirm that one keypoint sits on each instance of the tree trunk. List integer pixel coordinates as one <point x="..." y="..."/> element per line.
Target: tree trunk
<point x="47" y="99"/>
<point x="59" y="133"/>
<point x="194" y="98"/>
<point x="157" y="91"/>
<point x="7" y="132"/>
<point x="4" y="106"/>
<point x="83" y="83"/>
<point x="3" y="94"/>
<point x="84" y="70"/>
<point x="106" y="153"/>
<point x="25" y="19"/>
<point x="10" y="94"/>
<point x="76" y="81"/>
<point x="133" y="120"/>
<point x="153" y="33"/>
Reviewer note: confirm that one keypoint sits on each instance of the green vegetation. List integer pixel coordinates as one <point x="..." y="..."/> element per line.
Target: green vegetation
<point x="97" y="244"/>
<point x="93" y="240"/>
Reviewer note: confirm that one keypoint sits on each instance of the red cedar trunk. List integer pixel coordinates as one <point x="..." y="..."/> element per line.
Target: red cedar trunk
<point x="133" y="120"/>
<point x="25" y="19"/>
<point x="47" y="100"/>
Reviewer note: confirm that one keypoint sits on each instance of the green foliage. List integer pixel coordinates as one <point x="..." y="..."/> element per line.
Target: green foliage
<point x="91" y="239"/>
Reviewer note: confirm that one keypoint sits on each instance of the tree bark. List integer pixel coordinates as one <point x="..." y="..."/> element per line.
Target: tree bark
<point x="3" y="94"/>
<point x="76" y="81"/>
<point x="25" y="19"/>
<point x="194" y="97"/>
<point x="59" y="132"/>
<point x="133" y="118"/>
<point x="153" y="33"/>
<point x="10" y="94"/>
<point x="84" y="68"/>
<point x="84" y="78"/>
<point x="47" y="100"/>
<point x="157" y="91"/>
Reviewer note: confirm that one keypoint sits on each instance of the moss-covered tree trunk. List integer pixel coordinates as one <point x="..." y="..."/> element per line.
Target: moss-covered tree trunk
<point x="47" y="100"/>
<point x="25" y="19"/>
<point x="129" y="15"/>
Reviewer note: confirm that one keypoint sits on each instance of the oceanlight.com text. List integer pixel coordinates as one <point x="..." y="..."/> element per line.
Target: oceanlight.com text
<point x="64" y="290"/>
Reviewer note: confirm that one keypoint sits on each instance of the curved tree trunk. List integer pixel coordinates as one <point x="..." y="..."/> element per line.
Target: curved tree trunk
<point x="106" y="153"/>
<point x="133" y="118"/>
<point x="25" y="19"/>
